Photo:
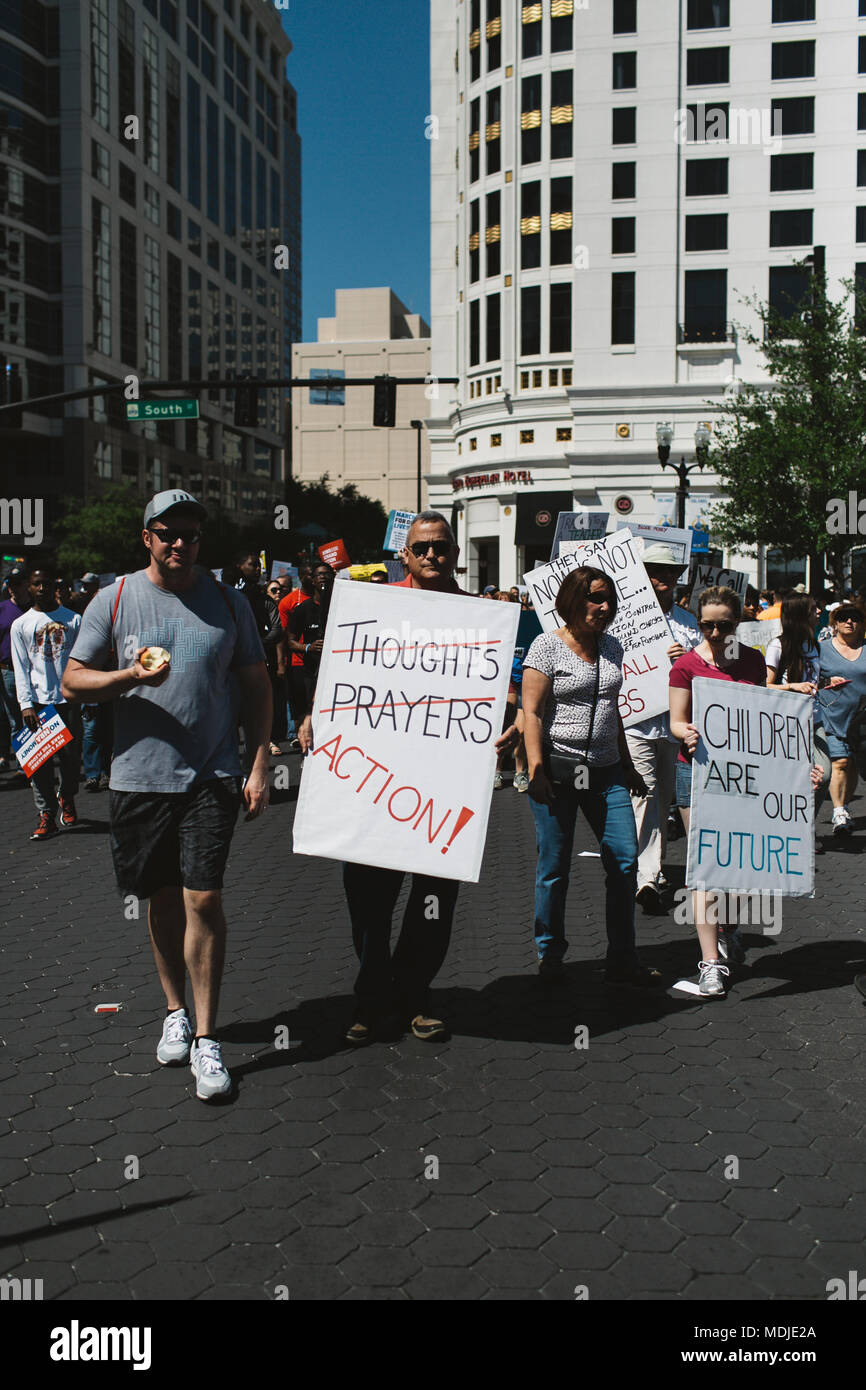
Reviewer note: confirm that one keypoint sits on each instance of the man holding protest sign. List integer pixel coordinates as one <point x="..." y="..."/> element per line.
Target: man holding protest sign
<point x="439" y="725"/>
<point x="651" y="744"/>
<point x="41" y="641"/>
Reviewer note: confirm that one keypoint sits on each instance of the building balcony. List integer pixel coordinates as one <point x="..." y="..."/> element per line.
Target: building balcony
<point x="706" y="331"/>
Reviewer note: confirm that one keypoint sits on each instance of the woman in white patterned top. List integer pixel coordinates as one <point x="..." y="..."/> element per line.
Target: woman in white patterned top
<point x="578" y="757"/>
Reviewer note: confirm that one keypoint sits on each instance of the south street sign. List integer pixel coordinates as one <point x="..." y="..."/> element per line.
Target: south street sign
<point x="162" y="410"/>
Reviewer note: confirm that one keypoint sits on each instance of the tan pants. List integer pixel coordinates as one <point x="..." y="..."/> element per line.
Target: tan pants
<point x="656" y="760"/>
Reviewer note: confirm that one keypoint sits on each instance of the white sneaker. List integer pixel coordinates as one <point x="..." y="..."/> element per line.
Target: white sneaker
<point x="841" y="821"/>
<point x="173" y="1047"/>
<point x="209" y="1070"/>
<point x="711" y="983"/>
<point x="497" y="782"/>
<point x="521" y="782"/>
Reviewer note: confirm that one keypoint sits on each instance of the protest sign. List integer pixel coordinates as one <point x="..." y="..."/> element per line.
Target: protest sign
<point x="751" y="826"/>
<point x="409" y="704"/>
<point x="398" y="530"/>
<point x="708" y="576"/>
<point x="366" y="572"/>
<point x="335" y="554"/>
<point x="34" y="749"/>
<point x="640" y="625"/>
<point x="679" y="540"/>
<point x="759" y="635"/>
<point x="282" y="569"/>
<point x="580" y="526"/>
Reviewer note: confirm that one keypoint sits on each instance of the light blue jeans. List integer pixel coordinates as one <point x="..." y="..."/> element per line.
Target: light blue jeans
<point x="606" y="803"/>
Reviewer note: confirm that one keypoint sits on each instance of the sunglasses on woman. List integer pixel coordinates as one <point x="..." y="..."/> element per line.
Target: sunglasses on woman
<point x="723" y="628"/>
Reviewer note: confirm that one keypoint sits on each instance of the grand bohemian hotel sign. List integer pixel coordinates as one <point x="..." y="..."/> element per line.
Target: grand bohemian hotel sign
<point x="508" y="477"/>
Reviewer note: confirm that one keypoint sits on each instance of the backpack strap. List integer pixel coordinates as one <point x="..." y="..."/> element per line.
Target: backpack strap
<point x="117" y="602"/>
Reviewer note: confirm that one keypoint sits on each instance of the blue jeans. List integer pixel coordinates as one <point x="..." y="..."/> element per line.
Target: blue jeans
<point x="97" y="739"/>
<point x="606" y="803"/>
<point x="9" y="702"/>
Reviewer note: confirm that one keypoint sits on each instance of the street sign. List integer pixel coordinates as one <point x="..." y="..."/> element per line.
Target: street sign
<point x="162" y="410"/>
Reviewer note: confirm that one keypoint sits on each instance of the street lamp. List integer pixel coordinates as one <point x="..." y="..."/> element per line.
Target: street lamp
<point x="664" y="440"/>
<point x="418" y="426"/>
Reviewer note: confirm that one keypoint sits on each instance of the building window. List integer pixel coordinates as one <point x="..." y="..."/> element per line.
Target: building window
<point x="623" y="181"/>
<point x="624" y="130"/>
<point x="494" y="34"/>
<point x="230" y="191"/>
<point x="625" y="16"/>
<point x="790" y="290"/>
<point x="622" y="236"/>
<point x="151" y="204"/>
<point x="707" y="66"/>
<point x="791" y="171"/>
<point x="624" y="71"/>
<point x="860" y="274"/>
<point x="474" y="333"/>
<point x="530" y="225"/>
<point x="553" y="377"/>
<point x="194" y="325"/>
<point x="791" y="227"/>
<point x="530" y="120"/>
<point x="475" y="139"/>
<point x="706" y="178"/>
<point x="494" y="328"/>
<point x="560" y="317"/>
<point x="706" y="306"/>
<point x="493" y="133"/>
<point x="561" y="25"/>
<point x="527" y="436"/>
<point x="567" y="373"/>
<point x="474" y="241"/>
<point x="707" y="123"/>
<point x="473" y="446"/>
<point x="861" y="111"/>
<point x="100" y="163"/>
<point x="709" y="14"/>
<point x="99" y="63"/>
<point x="193" y="151"/>
<point x="792" y="60"/>
<point x="861" y="224"/>
<point x="128" y="294"/>
<point x="152" y="122"/>
<point x="475" y="41"/>
<point x="125" y="62"/>
<point x="530" y="322"/>
<point x="707" y="233"/>
<point x="172" y="122"/>
<point x="101" y="231"/>
<point x="531" y="15"/>
<point x="193" y="237"/>
<point x="561" y="114"/>
<point x="796" y="115"/>
<point x="213" y="161"/>
<point x="496" y="441"/>
<point x="561" y="221"/>
<point x="126" y="183"/>
<point x="493" y="236"/>
<point x="151" y="301"/>
<point x="794" y="11"/>
<point x="622" y="307"/>
<point x="563" y="434"/>
<point x="174" y="316"/>
<point x="861" y="167"/>
<point x="524" y="381"/>
<point x="173" y="221"/>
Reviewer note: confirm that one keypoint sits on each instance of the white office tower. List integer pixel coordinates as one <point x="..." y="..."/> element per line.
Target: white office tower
<point x="611" y="179"/>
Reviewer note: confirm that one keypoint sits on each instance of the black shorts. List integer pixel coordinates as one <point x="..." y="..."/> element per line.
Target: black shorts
<point x="173" y="839"/>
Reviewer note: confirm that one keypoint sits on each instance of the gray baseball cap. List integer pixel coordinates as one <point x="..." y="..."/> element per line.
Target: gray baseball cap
<point x="164" y="501"/>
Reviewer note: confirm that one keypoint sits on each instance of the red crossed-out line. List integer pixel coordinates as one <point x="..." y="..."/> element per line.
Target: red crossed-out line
<point x="441" y="646"/>
<point x="406" y="704"/>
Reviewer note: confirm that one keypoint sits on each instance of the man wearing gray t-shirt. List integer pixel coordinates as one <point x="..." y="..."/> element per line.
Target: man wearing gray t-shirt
<point x="175" y="787"/>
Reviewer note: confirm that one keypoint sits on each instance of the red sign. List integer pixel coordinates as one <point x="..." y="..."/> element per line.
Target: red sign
<point x="335" y="554"/>
<point x="623" y="505"/>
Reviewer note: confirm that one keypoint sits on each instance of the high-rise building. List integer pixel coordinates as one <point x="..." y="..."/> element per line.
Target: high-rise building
<point x="149" y="225"/>
<point x="373" y="333"/>
<point x="610" y="182"/>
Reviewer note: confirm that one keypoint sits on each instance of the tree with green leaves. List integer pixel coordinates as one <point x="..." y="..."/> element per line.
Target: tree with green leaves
<point x="789" y="449"/>
<point x="102" y="534"/>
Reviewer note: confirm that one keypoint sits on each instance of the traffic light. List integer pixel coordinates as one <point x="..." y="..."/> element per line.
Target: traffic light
<point x="246" y="406"/>
<point x="385" y="401"/>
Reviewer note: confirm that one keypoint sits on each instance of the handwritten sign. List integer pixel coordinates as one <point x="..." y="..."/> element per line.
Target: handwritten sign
<point x="410" y="701"/>
<point x="677" y="539"/>
<point x="759" y="635"/>
<point x="575" y="528"/>
<point x="709" y="576"/>
<point x="640" y="625"/>
<point x="34" y="749"/>
<point x="751" y="827"/>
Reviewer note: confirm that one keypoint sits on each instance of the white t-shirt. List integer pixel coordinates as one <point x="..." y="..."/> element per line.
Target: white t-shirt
<point x="41" y="644"/>
<point x="811" y="661"/>
<point x="567" y="715"/>
<point x="684" y="629"/>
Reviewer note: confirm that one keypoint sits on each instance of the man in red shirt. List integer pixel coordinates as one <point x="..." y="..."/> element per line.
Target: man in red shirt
<point x="398" y="983"/>
<point x="295" y="673"/>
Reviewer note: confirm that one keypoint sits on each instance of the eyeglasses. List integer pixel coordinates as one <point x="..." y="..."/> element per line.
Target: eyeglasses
<point x="170" y="535"/>
<point x="420" y="548"/>
<point x="724" y="628"/>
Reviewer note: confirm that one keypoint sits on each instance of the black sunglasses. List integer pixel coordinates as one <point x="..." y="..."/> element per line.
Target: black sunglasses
<point x="724" y="627"/>
<point x="420" y="548"/>
<point x="172" y="534"/>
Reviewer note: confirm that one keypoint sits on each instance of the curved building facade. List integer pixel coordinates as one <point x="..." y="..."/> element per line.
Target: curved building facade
<point x="610" y="183"/>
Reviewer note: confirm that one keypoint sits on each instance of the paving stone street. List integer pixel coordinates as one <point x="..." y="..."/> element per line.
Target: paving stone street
<point x="689" y="1151"/>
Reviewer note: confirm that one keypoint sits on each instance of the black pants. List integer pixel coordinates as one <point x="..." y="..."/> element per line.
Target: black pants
<point x="401" y="980"/>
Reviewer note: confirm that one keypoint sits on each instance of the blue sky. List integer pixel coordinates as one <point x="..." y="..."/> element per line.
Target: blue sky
<point x="362" y="74"/>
